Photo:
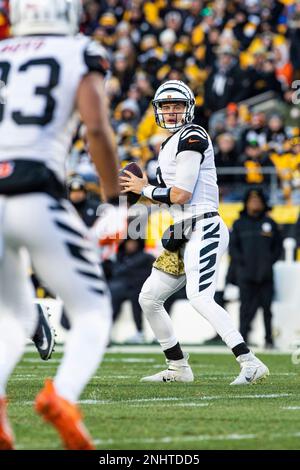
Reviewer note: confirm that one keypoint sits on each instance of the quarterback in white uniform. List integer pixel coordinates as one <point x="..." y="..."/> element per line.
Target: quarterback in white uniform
<point x="49" y="73"/>
<point x="188" y="185"/>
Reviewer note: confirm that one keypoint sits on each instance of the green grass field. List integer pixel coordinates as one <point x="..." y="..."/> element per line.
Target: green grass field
<point x="122" y="413"/>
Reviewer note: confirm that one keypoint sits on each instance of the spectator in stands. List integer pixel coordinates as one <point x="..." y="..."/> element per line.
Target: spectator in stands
<point x="287" y="164"/>
<point x="122" y="71"/>
<point x="78" y="195"/>
<point x="295" y="38"/>
<point x="256" y="131"/>
<point x="227" y="83"/>
<point x="290" y="107"/>
<point x="143" y="84"/>
<point x="127" y="112"/>
<point x="276" y="134"/>
<point x="211" y="42"/>
<point x="297" y="232"/>
<point x="226" y="156"/>
<point x="126" y="142"/>
<point x="193" y="16"/>
<point x="128" y="275"/>
<point x="255" y="245"/>
<point x="4" y="23"/>
<point x="113" y="91"/>
<point x="225" y="51"/>
<point x="232" y="123"/>
<point x="262" y="74"/>
<point x="255" y="161"/>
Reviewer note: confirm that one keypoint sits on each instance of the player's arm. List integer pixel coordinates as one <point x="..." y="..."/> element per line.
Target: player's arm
<point x="192" y="144"/>
<point x="179" y="194"/>
<point x="189" y="157"/>
<point x="92" y="106"/>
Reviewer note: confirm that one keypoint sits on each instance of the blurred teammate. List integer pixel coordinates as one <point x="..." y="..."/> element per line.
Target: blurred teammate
<point x="48" y="73"/>
<point x="187" y="176"/>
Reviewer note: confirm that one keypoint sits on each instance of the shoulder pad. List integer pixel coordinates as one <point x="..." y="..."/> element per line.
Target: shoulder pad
<point x="96" y="58"/>
<point x="193" y="138"/>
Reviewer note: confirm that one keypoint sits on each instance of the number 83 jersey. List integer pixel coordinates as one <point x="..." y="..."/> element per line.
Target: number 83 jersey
<point x="39" y="78"/>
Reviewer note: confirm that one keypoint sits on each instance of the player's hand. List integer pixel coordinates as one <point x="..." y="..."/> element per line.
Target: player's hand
<point x="111" y="225"/>
<point x="132" y="183"/>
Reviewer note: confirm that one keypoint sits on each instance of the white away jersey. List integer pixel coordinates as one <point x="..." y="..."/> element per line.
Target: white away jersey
<point x="192" y="145"/>
<point x="40" y="77"/>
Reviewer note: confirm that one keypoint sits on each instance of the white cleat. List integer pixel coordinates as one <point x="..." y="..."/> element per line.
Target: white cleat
<point x="177" y="371"/>
<point x="252" y="370"/>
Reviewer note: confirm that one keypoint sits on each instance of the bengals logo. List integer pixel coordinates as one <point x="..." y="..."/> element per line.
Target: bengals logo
<point x="6" y="169"/>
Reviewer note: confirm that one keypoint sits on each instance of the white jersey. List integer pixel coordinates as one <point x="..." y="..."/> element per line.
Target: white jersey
<point x="186" y="160"/>
<point x="41" y="75"/>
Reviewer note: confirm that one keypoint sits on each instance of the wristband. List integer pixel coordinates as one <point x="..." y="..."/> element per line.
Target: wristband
<point x="162" y="195"/>
<point x="148" y="190"/>
<point x="157" y="194"/>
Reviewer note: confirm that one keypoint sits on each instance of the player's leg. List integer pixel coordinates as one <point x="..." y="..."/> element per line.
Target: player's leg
<point x="66" y="263"/>
<point x="157" y="288"/>
<point x="18" y="317"/>
<point x="202" y="256"/>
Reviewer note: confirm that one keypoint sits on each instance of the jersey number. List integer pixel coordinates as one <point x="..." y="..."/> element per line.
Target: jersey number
<point x="44" y="91"/>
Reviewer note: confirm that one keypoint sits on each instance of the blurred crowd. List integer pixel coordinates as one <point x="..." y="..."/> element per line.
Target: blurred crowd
<point x="229" y="53"/>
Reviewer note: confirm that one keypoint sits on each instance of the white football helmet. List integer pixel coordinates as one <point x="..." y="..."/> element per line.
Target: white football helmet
<point x="169" y="92"/>
<point x="29" y="17"/>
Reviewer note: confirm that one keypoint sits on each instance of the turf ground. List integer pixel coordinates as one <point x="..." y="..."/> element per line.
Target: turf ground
<point x="122" y="413"/>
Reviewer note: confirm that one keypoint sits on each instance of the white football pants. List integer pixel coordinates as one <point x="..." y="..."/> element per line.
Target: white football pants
<point x="202" y="255"/>
<point x="65" y="261"/>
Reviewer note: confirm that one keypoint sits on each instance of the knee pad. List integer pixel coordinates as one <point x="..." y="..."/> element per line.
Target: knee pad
<point x="149" y="305"/>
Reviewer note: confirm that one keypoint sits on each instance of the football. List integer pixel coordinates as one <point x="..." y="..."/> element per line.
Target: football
<point x="136" y="170"/>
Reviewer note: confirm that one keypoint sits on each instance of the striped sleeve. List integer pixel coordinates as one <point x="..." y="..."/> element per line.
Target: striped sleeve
<point x="193" y="138"/>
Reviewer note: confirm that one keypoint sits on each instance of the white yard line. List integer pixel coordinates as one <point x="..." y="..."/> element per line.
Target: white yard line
<point x="111" y="376"/>
<point x="128" y="359"/>
<point x="156" y="349"/>
<point x="196" y="438"/>
<point x="183" y="405"/>
<point x="36" y="360"/>
<point x="290" y="407"/>
<point x="180" y="439"/>
<point x="172" y="399"/>
<point x="241" y="397"/>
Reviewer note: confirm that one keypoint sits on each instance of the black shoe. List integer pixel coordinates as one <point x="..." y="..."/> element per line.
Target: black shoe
<point x="269" y="345"/>
<point x="215" y="341"/>
<point x="44" y="338"/>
